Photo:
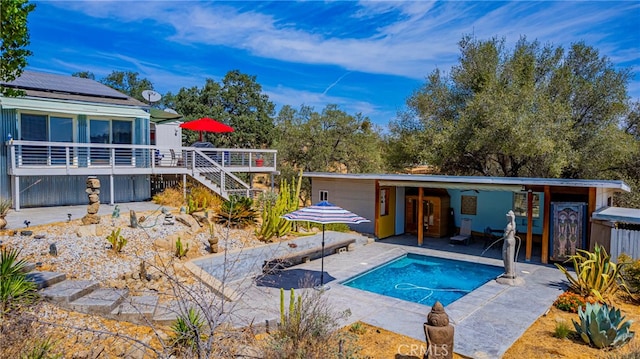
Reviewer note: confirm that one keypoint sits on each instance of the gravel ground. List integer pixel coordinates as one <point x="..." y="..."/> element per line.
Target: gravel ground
<point x="83" y="252"/>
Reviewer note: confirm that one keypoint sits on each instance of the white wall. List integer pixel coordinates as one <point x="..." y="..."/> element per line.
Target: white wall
<point x="357" y="196"/>
<point x="169" y="134"/>
<point x="602" y="197"/>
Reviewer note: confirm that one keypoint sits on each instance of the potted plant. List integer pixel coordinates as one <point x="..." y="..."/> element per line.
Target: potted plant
<point x="5" y="205"/>
<point x="259" y="160"/>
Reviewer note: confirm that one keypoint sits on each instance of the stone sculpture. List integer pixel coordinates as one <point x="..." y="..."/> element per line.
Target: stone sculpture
<point x="439" y="334"/>
<point x="93" y="190"/>
<point x="509" y="253"/>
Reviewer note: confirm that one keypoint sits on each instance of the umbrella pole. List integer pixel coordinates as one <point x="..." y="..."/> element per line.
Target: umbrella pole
<point x="322" y="260"/>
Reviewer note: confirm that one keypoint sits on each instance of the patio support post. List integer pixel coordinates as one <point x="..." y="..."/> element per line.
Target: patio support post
<point x="111" y="190"/>
<point x="16" y="193"/>
<point x="529" y="225"/>
<point x="591" y="207"/>
<point x="420" y="216"/>
<point x="376" y="209"/>
<point x="184" y="186"/>
<point x="545" y="225"/>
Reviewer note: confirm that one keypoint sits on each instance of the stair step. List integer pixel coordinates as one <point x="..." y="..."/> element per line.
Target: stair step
<point x="45" y="279"/>
<point x="101" y="301"/>
<point x="69" y="290"/>
<point x="136" y="309"/>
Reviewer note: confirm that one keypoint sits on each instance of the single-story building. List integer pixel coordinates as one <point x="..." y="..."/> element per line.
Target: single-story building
<point x="555" y="212"/>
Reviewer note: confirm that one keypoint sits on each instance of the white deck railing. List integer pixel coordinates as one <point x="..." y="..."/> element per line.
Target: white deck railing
<point x="29" y="158"/>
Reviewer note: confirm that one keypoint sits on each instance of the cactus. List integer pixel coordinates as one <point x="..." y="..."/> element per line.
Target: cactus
<point x="292" y="318"/>
<point x="181" y="250"/>
<point x="273" y="225"/>
<point x="603" y="327"/>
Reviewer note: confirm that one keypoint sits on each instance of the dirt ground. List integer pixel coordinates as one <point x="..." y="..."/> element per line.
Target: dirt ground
<point x="536" y="343"/>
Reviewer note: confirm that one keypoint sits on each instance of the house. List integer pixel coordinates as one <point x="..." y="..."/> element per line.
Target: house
<point x="65" y="129"/>
<point x="554" y="213"/>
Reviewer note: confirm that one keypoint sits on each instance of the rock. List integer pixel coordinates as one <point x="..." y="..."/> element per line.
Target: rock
<point x="93" y="207"/>
<point x="90" y="219"/>
<point x="88" y="230"/>
<point x="188" y="221"/>
<point x="94" y="197"/>
<point x="93" y="183"/>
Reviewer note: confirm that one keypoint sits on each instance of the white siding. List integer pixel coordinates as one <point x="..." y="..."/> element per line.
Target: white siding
<point x="625" y="241"/>
<point x="169" y="135"/>
<point x="602" y="197"/>
<point x="357" y="196"/>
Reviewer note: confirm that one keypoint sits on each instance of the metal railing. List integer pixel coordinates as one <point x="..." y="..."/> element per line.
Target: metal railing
<point x="26" y="156"/>
<point x="216" y="165"/>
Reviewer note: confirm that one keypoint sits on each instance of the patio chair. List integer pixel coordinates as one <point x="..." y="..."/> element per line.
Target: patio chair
<point x="175" y="160"/>
<point x="465" y="232"/>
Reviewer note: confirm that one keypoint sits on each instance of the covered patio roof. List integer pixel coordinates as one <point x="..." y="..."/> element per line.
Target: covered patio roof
<point x="618" y="214"/>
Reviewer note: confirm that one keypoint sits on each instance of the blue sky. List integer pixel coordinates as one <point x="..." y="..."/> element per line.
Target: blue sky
<point x="366" y="57"/>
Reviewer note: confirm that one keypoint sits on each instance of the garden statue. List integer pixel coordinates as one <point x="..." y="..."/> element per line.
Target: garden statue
<point x="439" y="334"/>
<point x="93" y="191"/>
<point x="509" y="253"/>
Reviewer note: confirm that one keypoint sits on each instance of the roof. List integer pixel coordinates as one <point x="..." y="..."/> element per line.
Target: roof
<point x="618" y="214"/>
<point x="486" y="183"/>
<point x="163" y="116"/>
<point x="62" y="87"/>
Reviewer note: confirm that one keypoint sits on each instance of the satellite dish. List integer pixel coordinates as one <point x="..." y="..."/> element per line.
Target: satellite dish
<point x="170" y="110"/>
<point x="151" y="96"/>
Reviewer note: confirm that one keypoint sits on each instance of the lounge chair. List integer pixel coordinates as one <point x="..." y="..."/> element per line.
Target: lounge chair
<point x="465" y="232"/>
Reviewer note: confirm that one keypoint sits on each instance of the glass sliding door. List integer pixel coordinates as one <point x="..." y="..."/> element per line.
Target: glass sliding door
<point x="123" y="135"/>
<point x="99" y="133"/>
<point x="33" y="128"/>
<point x="61" y="130"/>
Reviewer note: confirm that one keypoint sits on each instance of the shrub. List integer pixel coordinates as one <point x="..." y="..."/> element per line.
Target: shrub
<point x="41" y="349"/>
<point x="602" y="327"/>
<point x="630" y="272"/>
<point x="15" y="289"/>
<point x="596" y="275"/>
<point x="570" y="302"/>
<point x="309" y="329"/>
<point x="237" y="212"/>
<point x="357" y="328"/>
<point x="117" y="240"/>
<point x="562" y="330"/>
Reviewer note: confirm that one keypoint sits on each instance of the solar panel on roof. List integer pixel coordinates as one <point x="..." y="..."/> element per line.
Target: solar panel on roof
<point x="69" y="84"/>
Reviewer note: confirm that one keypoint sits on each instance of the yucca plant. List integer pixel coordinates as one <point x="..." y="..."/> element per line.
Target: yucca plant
<point x="187" y="330"/>
<point x="595" y="274"/>
<point x="603" y="327"/>
<point x="238" y="212"/>
<point x="15" y="289"/>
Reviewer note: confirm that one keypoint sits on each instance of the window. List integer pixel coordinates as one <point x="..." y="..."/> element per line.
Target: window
<point x="324" y="196"/>
<point x="118" y="132"/>
<point x="468" y="205"/>
<point x="520" y="204"/>
<point x="384" y="201"/>
<point x="46" y="129"/>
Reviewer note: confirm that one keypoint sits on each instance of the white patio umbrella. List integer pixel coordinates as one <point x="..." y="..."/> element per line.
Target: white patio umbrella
<point x="324" y="213"/>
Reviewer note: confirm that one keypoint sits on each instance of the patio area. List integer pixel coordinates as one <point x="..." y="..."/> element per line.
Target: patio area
<point x="487" y="321"/>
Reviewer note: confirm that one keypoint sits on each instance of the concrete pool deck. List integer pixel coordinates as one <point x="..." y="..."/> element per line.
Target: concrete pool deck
<point x="487" y="321"/>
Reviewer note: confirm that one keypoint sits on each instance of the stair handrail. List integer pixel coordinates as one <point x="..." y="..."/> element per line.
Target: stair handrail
<point x="217" y="172"/>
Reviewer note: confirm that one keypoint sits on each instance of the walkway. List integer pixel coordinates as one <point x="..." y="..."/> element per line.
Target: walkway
<point x="487" y="321"/>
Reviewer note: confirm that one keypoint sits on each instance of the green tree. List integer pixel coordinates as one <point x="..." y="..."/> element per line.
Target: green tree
<point x="238" y="101"/>
<point x="128" y="83"/>
<point x="84" y="74"/>
<point x="530" y="111"/>
<point x="330" y="141"/>
<point x="14" y="39"/>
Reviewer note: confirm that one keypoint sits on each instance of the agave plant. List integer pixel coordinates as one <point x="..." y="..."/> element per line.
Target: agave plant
<point x="187" y="330"/>
<point x="237" y="212"/>
<point x="603" y="327"/>
<point x="596" y="274"/>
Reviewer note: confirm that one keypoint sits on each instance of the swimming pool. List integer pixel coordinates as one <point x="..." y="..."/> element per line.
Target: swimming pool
<point x="425" y="280"/>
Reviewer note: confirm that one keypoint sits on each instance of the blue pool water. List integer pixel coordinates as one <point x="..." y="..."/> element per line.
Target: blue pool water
<point x="425" y="280"/>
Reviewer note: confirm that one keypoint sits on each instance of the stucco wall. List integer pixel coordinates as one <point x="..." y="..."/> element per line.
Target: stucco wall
<point x="357" y="196"/>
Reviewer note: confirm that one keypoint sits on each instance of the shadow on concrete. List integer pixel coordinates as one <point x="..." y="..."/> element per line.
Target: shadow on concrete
<point x="293" y="278"/>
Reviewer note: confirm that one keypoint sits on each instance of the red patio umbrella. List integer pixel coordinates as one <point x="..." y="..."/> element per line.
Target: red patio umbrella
<point x="206" y="124"/>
